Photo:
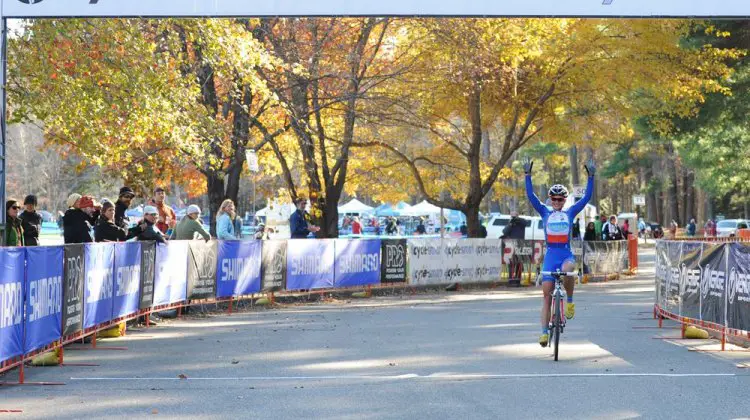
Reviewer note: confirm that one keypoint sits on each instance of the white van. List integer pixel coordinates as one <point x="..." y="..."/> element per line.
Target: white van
<point x="534" y="228"/>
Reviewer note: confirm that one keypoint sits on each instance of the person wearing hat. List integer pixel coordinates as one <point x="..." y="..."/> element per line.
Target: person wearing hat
<point x="122" y="205"/>
<point x="31" y="221"/>
<point x="80" y="218"/>
<point x="190" y="225"/>
<point x="150" y="231"/>
<point x="13" y="229"/>
<point x="107" y="230"/>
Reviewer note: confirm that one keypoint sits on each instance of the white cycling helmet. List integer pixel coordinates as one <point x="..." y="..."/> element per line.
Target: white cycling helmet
<point x="558" y="190"/>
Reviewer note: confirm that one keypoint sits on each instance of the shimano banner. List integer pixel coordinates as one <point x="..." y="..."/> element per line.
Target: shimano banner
<point x="12" y="262"/>
<point x="97" y="296"/>
<point x="73" y="279"/>
<point x="738" y="286"/>
<point x="309" y="264"/>
<point x="127" y="278"/>
<point x="357" y="262"/>
<point x="393" y="263"/>
<point x="238" y="268"/>
<point x="148" y="273"/>
<point x="44" y="296"/>
<point x="273" y="266"/>
<point x="201" y="273"/>
<point x="170" y="281"/>
<point x="690" y="275"/>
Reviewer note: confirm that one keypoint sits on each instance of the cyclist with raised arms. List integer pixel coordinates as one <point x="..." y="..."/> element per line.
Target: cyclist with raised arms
<point x="557" y="225"/>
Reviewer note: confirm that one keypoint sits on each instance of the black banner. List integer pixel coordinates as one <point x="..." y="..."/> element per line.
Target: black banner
<point x="273" y="266"/>
<point x="148" y="265"/>
<point x="393" y="265"/>
<point x="690" y="275"/>
<point x="201" y="275"/>
<point x="713" y="281"/>
<point x="73" y="279"/>
<point x="738" y="286"/>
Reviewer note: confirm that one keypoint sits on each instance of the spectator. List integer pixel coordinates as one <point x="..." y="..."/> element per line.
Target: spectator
<point x="80" y="218"/>
<point x="261" y="232"/>
<point x="482" y="231"/>
<point x="150" y="232"/>
<point x="516" y="227"/>
<point x="626" y="229"/>
<point x="225" y="221"/>
<point x="673" y="229"/>
<point x="167" y="218"/>
<point x="122" y="205"/>
<point x="590" y="234"/>
<point x="13" y="230"/>
<point x="707" y="228"/>
<point x="464" y="229"/>
<point x="577" y="229"/>
<point x="376" y="225"/>
<point x="612" y="232"/>
<point x="190" y="225"/>
<point x="691" y="228"/>
<point x="599" y="224"/>
<point x="298" y="223"/>
<point x="421" y="230"/>
<point x="713" y="227"/>
<point x="642" y="228"/>
<point x="107" y="230"/>
<point x="390" y="226"/>
<point x="237" y="222"/>
<point x="356" y="226"/>
<point x="31" y="221"/>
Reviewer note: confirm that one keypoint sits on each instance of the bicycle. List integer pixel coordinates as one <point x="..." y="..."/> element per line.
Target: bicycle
<point x="557" y="317"/>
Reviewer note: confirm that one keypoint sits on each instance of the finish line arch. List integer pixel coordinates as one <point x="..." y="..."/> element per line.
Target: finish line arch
<point x="32" y="9"/>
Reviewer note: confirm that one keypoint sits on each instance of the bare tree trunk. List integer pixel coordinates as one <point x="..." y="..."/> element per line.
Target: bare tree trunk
<point x="215" y="197"/>
<point x="574" y="173"/>
<point x="674" y="213"/>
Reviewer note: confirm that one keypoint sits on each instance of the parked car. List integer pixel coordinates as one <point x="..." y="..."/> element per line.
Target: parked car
<point x="534" y="227"/>
<point x="728" y="228"/>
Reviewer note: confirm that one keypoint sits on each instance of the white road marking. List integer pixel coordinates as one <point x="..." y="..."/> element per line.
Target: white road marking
<point x="410" y="376"/>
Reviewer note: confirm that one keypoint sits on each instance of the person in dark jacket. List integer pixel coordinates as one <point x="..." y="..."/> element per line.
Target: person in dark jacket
<point x="590" y="234"/>
<point x="107" y="230"/>
<point x="421" y="230"/>
<point x="298" y="225"/>
<point x="150" y="232"/>
<point x="80" y="218"/>
<point x="464" y="229"/>
<point x="122" y="205"/>
<point x="516" y="227"/>
<point x="13" y="230"/>
<point x="611" y="231"/>
<point x="577" y="229"/>
<point x="31" y="221"/>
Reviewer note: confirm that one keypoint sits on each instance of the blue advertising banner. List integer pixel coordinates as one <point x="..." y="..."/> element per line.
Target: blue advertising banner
<point x="44" y="296"/>
<point x="97" y="293"/>
<point x="170" y="283"/>
<point x="309" y="264"/>
<point x="127" y="278"/>
<point x="238" y="268"/>
<point x="11" y="302"/>
<point x="357" y="262"/>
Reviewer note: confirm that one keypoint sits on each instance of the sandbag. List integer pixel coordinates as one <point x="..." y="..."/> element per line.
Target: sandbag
<point x="696" y="333"/>
<point x="263" y="301"/>
<point x="51" y="358"/>
<point x="114" y="332"/>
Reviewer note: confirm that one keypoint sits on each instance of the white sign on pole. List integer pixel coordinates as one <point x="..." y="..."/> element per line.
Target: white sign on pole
<point x="639" y="200"/>
<point x="579" y="191"/>
<point x="252" y="160"/>
<point x="227" y="8"/>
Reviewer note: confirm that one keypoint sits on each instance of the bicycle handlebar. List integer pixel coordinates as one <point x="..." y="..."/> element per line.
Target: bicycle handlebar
<point x="560" y="273"/>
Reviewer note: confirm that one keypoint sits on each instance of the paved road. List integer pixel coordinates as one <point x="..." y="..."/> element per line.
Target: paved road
<point x="467" y="355"/>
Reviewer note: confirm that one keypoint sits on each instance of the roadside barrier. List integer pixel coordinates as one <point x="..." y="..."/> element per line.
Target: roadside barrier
<point x="53" y="296"/>
<point x="706" y="284"/>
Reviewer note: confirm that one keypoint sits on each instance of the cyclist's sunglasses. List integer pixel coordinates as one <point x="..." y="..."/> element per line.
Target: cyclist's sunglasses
<point x="558" y="199"/>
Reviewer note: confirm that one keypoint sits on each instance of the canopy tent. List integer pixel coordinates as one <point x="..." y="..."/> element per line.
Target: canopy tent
<point x="422" y="209"/>
<point x="387" y="210"/>
<point x="355" y="207"/>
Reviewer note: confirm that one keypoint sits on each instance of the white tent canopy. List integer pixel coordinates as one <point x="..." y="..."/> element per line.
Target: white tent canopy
<point x="422" y="209"/>
<point x="355" y="206"/>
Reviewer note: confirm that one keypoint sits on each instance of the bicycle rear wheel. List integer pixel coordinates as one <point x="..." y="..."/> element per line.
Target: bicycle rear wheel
<point x="557" y="325"/>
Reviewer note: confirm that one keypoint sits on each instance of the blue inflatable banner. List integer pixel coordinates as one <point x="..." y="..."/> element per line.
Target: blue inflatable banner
<point x="309" y="264"/>
<point x="238" y="268"/>
<point x="127" y="278"/>
<point x="170" y="284"/>
<point x="11" y="302"/>
<point x="357" y="262"/>
<point x="97" y="293"/>
<point x="44" y="296"/>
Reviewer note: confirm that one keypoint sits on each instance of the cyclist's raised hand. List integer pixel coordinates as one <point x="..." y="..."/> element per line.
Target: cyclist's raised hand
<point x="590" y="167"/>
<point x="528" y="164"/>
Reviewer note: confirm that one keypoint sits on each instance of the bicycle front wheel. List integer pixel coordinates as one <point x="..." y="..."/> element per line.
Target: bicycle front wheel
<point x="557" y="327"/>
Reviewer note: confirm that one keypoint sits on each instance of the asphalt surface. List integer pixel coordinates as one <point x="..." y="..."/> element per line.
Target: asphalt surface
<point x="449" y="355"/>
